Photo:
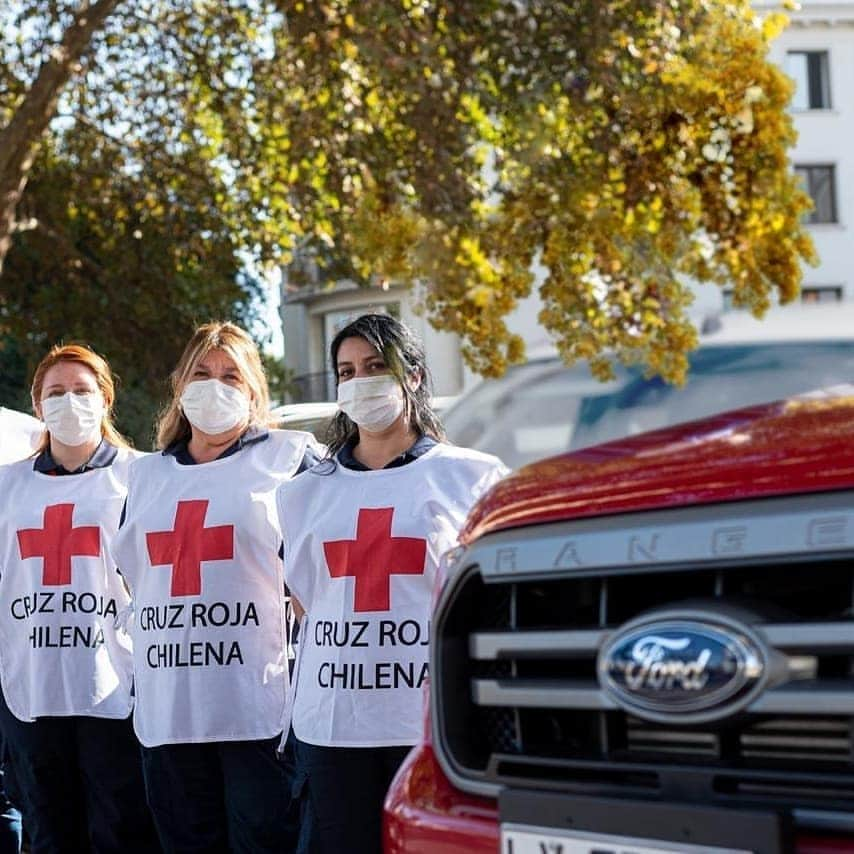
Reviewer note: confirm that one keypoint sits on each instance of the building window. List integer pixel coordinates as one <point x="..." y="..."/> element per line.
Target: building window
<point x="809" y="294"/>
<point x="809" y="69"/>
<point x="819" y="182"/>
<point x="821" y="293"/>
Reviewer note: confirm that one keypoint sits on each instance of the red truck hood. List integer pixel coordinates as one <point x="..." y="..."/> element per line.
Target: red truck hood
<point x="797" y="445"/>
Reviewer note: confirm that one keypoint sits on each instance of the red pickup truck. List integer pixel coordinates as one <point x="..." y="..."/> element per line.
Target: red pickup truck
<point x="648" y="646"/>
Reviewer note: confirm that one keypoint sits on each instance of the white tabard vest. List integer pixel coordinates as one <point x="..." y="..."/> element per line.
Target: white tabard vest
<point x="361" y="554"/>
<point x="60" y="650"/>
<point x="19" y="435"/>
<point x="199" y="549"/>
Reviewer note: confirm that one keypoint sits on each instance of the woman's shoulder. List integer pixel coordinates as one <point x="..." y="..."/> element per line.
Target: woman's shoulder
<point x="298" y="441"/>
<point x="318" y="477"/>
<point x="137" y="461"/>
<point x="457" y="454"/>
<point x="131" y="455"/>
<point x="282" y="436"/>
<point x="17" y="469"/>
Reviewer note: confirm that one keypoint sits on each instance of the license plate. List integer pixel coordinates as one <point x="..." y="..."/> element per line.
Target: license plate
<point x="524" y="839"/>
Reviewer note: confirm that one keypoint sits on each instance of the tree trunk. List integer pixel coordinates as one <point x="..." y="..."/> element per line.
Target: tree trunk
<point x="20" y="138"/>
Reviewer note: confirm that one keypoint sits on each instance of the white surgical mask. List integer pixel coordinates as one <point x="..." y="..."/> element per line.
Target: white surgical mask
<point x="371" y="402"/>
<point x="74" y="419"/>
<point x="213" y="406"/>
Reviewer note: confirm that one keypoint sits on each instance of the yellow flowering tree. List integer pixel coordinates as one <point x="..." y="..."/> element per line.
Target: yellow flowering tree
<point x="624" y="146"/>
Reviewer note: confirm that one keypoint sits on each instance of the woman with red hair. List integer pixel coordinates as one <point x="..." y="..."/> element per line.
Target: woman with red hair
<point x="72" y="761"/>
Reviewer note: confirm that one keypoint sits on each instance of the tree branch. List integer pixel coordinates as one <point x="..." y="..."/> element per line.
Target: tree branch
<point x="20" y="138"/>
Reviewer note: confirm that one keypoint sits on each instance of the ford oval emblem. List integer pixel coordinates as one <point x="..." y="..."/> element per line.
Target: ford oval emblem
<point x="683" y="670"/>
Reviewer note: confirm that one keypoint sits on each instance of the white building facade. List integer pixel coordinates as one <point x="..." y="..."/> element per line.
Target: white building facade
<point x="816" y="50"/>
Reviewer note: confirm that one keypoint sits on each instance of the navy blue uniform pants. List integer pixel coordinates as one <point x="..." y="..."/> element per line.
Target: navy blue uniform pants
<point x="346" y="789"/>
<point x="78" y="784"/>
<point x="10" y="820"/>
<point x="231" y="797"/>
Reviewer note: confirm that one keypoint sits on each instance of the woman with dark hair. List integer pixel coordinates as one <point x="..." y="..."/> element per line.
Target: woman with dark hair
<point x="402" y="372"/>
<point x="363" y="534"/>
<point x="73" y="763"/>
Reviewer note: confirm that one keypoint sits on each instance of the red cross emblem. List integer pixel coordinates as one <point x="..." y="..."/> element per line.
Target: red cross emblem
<point x="373" y="557"/>
<point x="188" y="544"/>
<point x="57" y="542"/>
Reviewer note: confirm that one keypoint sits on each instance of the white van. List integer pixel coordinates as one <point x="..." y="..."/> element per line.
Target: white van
<point x="544" y="408"/>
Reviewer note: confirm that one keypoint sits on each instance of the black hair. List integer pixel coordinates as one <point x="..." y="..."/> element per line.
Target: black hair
<point x="403" y="353"/>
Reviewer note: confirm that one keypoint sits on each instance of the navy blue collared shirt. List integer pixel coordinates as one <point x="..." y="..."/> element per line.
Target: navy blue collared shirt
<point x="180" y="448"/>
<point x="418" y="449"/>
<point x="104" y="456"/>
<point x="252" y="435"/>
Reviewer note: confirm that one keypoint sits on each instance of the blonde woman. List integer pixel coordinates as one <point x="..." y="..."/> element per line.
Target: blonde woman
<point x="73" y="762"/>
<point x="200" y="551"/>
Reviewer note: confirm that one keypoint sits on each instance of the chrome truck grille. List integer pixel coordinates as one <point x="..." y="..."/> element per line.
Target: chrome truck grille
<point x="518" y="692"/>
